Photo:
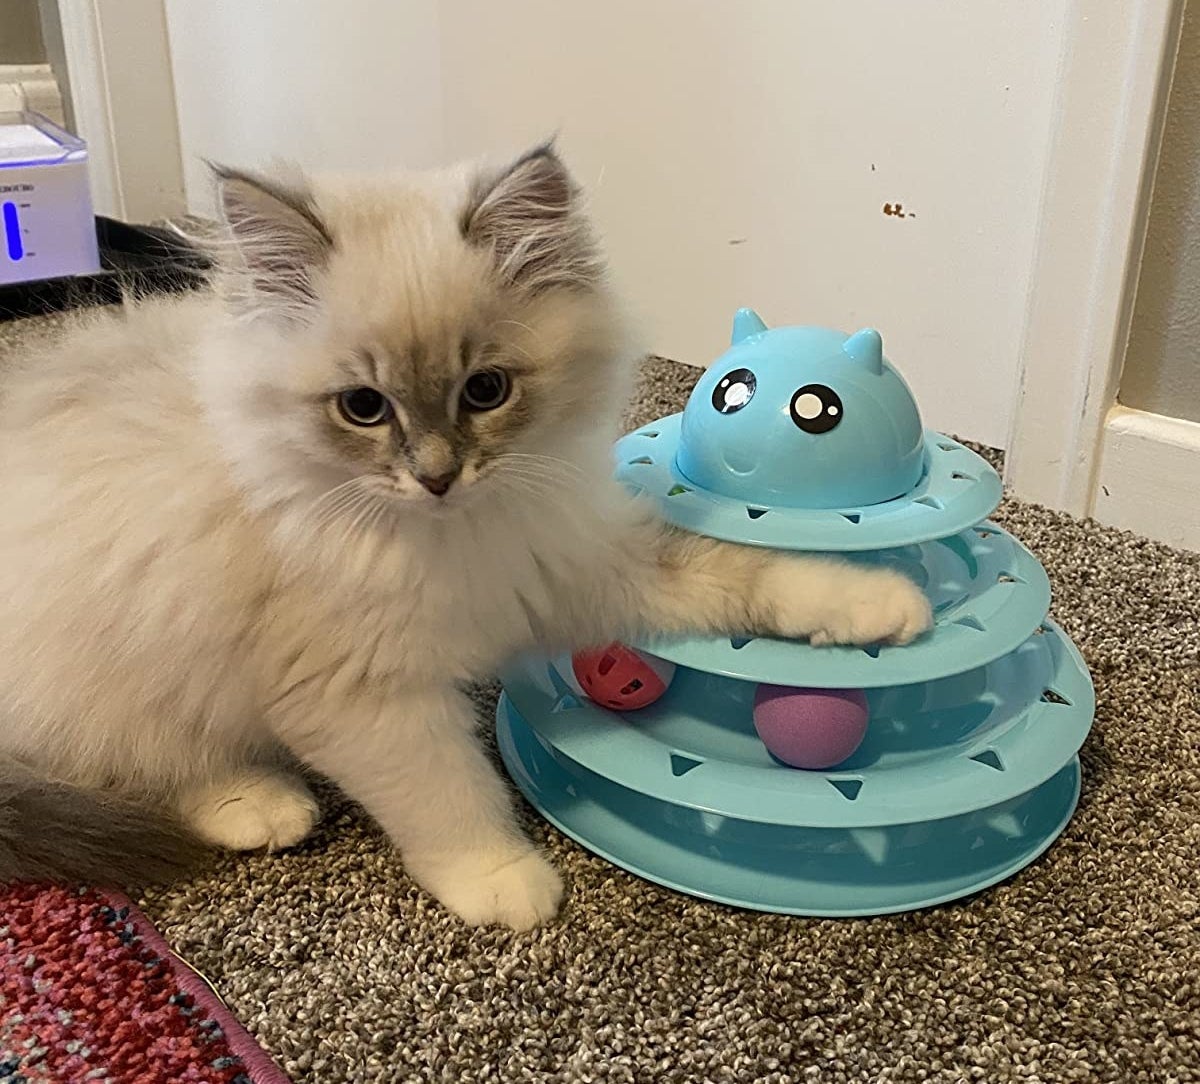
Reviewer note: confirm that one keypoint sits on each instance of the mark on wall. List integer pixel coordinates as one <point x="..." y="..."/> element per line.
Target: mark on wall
<point x="896" y="210"/>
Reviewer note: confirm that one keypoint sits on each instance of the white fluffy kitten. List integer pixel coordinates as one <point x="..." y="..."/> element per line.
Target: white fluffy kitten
<point x="289" y="517"/>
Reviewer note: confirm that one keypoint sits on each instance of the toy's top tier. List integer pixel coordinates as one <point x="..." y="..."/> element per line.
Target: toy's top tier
<point x="802" y="417"/>
<point x="804" y="438"/>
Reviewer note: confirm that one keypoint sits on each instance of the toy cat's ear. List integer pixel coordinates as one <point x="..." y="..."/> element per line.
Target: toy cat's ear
<point x="865" y="348"/>
<point x="746" y="322"/>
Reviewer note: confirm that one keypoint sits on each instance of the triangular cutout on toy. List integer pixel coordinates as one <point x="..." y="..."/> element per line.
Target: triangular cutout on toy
<point x="853" y="517"/>
<point x="739" y="642"/>
<point x="970" y="621"/>
<point x="1049" y="696"/>
<point x="649" y="434"/>
<point x="561" y="686"/>
<point x="1006" y="824"/>
<point x="677" y="489"/>
<point x="756" y="513"/>
<point x="567" y="702"/>
<point x="681" y="765"/>
<point x="990" y="758"/>
<point x="641" y="461"/>
<point x="873" y="842"/>
<point x="847" y="788"/>
<point x="873" y="650"/>
<point x="930" y="502"/>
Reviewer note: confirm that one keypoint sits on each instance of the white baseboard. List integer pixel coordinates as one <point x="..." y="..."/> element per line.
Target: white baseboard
<point x="31" y="86"/>
<point x="1149" y="477"/>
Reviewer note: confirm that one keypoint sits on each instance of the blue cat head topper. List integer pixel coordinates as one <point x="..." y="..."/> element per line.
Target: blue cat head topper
<point x="802" y="417"/>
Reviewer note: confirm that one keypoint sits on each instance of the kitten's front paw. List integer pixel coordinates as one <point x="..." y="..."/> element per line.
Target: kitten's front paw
<point x="520" y="893"/>
<point x="876" y="607"/>
<point x="261" y="808"/>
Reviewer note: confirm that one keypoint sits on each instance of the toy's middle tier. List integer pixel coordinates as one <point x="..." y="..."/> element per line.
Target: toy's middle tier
<point x="988" y="594"/>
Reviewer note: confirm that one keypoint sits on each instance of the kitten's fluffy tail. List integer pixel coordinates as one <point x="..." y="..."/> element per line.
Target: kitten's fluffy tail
<point x="52" y="831"/>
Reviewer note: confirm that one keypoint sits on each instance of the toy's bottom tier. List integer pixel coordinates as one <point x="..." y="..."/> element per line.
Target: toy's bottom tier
<point x="831" y="872"/>
<point x="959" y="783"/>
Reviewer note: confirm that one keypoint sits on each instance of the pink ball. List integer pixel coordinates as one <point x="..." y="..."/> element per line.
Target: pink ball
<point x="810" y="728"/>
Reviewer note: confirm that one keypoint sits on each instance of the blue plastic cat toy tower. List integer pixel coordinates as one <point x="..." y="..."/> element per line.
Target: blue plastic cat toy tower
<point x="802" y="438"/>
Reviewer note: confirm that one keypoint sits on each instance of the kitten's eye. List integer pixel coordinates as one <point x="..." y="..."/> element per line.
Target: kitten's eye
<point x="734" y="390"/>
<point x="486" y="390"/>
<point x="816" y="408"/>
<point x="364" y="406"/>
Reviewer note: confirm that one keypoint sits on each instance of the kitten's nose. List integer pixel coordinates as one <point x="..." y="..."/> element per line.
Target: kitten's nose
<point x="438" y="484"/>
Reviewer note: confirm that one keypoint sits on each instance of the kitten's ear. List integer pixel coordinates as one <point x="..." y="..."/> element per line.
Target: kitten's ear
<point x="530" y="216"/>
<point x="278" y="239"/>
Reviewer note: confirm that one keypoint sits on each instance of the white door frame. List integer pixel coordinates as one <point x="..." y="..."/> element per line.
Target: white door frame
<point x="122" y="95"/>
<point x="1117" y="66"/>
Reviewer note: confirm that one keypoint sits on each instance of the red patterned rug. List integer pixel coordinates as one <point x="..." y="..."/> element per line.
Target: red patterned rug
<point x="90" y="991"/>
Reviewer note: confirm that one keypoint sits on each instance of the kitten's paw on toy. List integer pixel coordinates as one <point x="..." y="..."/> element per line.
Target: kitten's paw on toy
<point x="879" y="608"/>
<point x="260" y="809"/>
<point x="522" y="893"/>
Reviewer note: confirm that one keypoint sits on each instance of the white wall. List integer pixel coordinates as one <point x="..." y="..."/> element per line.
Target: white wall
<point x="737" y="153"/>
<point x="1162" y="365"/>
<point x="325" y="83"/>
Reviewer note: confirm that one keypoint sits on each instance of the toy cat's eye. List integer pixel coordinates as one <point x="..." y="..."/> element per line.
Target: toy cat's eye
<point x="364" y="406"/>
<point x="734" y="390"/>
<point x="816" y="408"/>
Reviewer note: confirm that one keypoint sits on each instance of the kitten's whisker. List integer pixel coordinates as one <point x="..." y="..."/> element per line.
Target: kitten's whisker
<point x="367" y="506"/>
<point x="551" y="473"/>
<point x="338" y="500"/>
<point x="337" y="509"/>
<point x="329" y="493"/>
<point x="544" y="482"/>
<point x="348" y="512"/>
<point x="528" y="486"/>
<point x="524" y="327"/>
<point x="327" y="506"/>
<point x="383" y="511"/>
<point x="524" y="353"/>
<point x="545" y="460"/>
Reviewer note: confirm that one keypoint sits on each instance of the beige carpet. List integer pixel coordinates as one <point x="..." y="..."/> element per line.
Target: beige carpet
<point x="1085" y="967"/>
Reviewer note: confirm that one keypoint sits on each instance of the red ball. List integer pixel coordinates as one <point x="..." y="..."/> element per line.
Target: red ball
<point x="622" y="678"/>
<point x="810" y="728"/>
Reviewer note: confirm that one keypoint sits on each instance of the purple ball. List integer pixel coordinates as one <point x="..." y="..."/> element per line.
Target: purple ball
<point x="810" y="728"/>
